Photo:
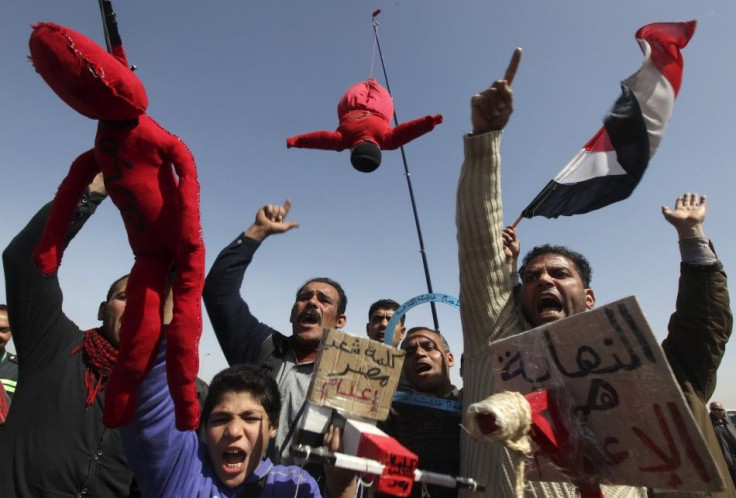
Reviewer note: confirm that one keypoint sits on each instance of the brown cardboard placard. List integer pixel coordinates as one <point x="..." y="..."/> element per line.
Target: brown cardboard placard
<point x="621" y="394"/>
<point x="356" y="374"/>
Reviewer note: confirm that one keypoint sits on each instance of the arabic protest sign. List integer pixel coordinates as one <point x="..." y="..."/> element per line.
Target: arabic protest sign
<point x="356" y="374"/>
<point x="628" y="415"/>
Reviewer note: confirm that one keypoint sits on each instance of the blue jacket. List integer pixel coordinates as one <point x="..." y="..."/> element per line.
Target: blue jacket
<point x="170" y="463"/>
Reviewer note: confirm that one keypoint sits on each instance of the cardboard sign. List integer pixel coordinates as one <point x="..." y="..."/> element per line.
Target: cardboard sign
<point x="629" y="416"/>
<point x="356" y="374"/>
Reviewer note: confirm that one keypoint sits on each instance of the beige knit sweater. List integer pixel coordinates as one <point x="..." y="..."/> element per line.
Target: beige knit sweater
<point x="488" y="313"/>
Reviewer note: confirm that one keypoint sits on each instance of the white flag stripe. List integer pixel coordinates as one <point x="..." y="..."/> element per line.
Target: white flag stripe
<point x="635" y="127"/>
<point x="655" y="95"/>
<point x="587" y="165"/>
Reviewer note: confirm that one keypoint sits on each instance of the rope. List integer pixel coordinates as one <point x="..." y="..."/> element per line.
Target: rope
<point x="511" y="418"/>
<point x="375" y="43"/>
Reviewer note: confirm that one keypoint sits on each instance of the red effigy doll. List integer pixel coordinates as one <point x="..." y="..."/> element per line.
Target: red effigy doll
<point x="365" y="113"/>
<point x="160" y="210"/>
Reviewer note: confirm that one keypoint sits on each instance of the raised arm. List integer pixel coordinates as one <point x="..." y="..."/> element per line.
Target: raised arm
<point x="484" y="276"/>
<point x="35" y="299"/>
<point x="511" y="249"/>
<point x="701" y="325"/>
<point x="165" y="461"/>
<point x="50" y="249"/>
<point x="271" y="219"/>
<point x="239" y="332"/>
<point x="688" y="216"/>
<point x="492" y="108"/>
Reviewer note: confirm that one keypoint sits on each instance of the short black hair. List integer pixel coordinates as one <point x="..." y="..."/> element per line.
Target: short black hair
<point x="112" y="286"/>
<point x="581" y="263"/>
<point x="417" y="329"/>
<point x="249" y="379"/>
<point x="385" y="304"/>
<point x="3" y="307"/>
<point x="342" y="299"/>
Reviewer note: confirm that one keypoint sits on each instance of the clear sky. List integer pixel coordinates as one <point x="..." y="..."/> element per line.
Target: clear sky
<point x="234" y="79"/>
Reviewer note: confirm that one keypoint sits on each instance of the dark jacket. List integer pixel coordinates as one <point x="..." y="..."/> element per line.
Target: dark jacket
<point x="695" y="344"/>
<point x="244" y="339"/>
<point x="433" y="434"/>
<point x="51" y="445"/>
<point x="726" y="435"/>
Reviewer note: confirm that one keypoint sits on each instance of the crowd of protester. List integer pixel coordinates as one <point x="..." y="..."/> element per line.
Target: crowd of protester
<point x="53" y="441"/>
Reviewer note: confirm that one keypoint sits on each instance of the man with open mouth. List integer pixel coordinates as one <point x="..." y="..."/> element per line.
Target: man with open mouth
<point x="555" y="284"/>
<point x="320" y="303"/>
<point x="433" y="434"/>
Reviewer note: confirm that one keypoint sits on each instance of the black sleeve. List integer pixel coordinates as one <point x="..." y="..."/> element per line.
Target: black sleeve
<point x="699" y="328"/>
<point x="35" y="299"/>
<point x="239" y="333"/>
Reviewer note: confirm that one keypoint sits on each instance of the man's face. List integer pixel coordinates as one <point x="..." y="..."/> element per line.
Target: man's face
<point x="5" y="333"/>
<point x="315" y="308"/>
<point x="376" y="326"/>
<point x="238" y="431"/>
<point x="427" y="364"/>
<point x="111" y="312"/>
<point x="717" y="410"/>
<point x="552" y="290"/>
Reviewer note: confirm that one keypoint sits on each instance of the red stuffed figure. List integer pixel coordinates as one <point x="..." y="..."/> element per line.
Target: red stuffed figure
<point x="365" y="113"/>
<point x="160" y="211"/>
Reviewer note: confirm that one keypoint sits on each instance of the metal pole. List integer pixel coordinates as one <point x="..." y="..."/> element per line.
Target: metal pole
<point x="104" y="14"/>
<point x="422" y="250"/>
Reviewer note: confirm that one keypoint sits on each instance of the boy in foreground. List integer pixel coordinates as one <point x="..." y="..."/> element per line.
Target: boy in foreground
<point x="240" y="415"/>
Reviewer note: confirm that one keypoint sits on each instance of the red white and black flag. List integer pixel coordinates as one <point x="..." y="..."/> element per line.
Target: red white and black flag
<point x="611" y="164"/>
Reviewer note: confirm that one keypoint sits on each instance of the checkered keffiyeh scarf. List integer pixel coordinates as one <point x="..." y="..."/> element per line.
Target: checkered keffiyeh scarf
<point x="99" y="356"/>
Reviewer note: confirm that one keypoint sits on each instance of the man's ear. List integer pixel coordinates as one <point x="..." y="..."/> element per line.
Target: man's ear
<point x="340" y="322"/>
<point x="101" y="310"/>
<point x="292" y="317"/>
<point x="401" y="334"/>
<point x="450" y="359"/>
<point x="589" y="299"/>
<point x="273" y="430"/>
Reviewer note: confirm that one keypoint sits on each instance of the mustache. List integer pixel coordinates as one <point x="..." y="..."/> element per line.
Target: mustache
<point x="310" y="312"/>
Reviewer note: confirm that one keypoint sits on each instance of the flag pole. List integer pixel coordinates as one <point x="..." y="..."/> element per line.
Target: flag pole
<point x="518" y="220"/>
<point x="422" y="250"/>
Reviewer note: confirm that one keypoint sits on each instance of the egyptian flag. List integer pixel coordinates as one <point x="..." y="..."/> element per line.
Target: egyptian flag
<point x="614" y="160"/>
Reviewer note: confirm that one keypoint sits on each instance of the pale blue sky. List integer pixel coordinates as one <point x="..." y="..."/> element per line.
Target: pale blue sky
<point x="234" y="79"/>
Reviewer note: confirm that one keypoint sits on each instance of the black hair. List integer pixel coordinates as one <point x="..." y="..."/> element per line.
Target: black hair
<point x="342" y="299"/>
<point x="385" y="304"/>
<point x="249" y="379"/>
<point x="581" y="263"/>
<point x="112" y="286"/>
<point x="437" y="332"/>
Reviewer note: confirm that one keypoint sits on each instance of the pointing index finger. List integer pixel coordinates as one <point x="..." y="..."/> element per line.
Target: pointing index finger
<point x="513" y="66"/>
